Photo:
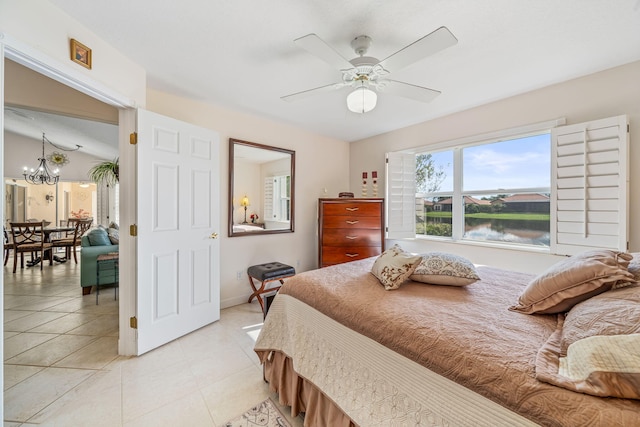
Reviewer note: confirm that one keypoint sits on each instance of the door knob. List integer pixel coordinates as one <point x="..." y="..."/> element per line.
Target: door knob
<point x="213" y="236"/>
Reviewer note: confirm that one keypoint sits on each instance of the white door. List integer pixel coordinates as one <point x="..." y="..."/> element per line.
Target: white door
<point x="178" y="221"/>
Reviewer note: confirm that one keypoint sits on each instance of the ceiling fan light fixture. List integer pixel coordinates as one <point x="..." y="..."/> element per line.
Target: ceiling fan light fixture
<point x="362" y="100"/>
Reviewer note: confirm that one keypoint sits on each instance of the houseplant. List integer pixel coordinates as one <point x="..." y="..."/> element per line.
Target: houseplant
<point x="107" y="172"/>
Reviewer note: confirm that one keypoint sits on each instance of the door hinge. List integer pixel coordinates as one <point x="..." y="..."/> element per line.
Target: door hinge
<point x="133" y="322"/>
<point x="133" y="138"/>
<point x="133" y="230"/>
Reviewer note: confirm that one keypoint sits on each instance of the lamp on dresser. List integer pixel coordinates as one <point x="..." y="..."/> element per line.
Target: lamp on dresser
<point x="244" y="203"/>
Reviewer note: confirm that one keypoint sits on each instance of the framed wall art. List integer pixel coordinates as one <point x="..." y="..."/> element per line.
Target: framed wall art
<point x="80" y="53"/>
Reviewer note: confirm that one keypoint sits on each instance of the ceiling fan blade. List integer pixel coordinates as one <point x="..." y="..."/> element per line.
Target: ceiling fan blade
<point x="428" y="45"/>
<point x="317" y="47"/>
<point x="310" y="92"/>
<point x="406" y="90"/>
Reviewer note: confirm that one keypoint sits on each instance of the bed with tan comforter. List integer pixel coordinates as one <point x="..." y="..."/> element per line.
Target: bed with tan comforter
<point x="340" y="348"/>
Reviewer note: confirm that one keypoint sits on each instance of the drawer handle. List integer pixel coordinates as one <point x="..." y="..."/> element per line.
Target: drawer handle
<point x="351" y="255"/>
<point x="352" y="209"/>
<point x="352" y="222"/>
<point x="351" y="237"/>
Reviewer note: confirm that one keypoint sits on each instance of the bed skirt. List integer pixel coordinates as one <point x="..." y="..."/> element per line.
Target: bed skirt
<point x="301" y="395"/>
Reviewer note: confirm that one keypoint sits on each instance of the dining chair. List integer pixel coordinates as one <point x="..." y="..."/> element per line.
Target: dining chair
<point x="29" y="237"/>
<point x="8" y="245"/>
<point x="71" y="239"/>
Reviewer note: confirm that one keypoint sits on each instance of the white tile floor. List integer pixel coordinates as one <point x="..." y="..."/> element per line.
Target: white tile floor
<point x="61" y="366"/>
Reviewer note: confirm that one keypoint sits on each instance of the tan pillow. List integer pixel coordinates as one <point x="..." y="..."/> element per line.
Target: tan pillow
<point x="634" y="266"/>
<point x="394" y="266"/>
<point x="439" y="268"/>
<point x="605" y="366"/>
<point x="616" y="312"/>
<point x="574" y="280"/>
<point x="634" y="269"/>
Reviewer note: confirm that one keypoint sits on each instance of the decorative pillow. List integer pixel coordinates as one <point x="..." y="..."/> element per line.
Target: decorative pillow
<point x="574" y="280"/>
<point x="606" y="366"/>
<point x="114" y="235"/>
<point x="616" y="312"/>
<point x="394" y="266"/>
<point x="114" y="225"/>
<point x="634" y="266"/>
<point x="98" y="237"/>
<point x="439" y="268"/>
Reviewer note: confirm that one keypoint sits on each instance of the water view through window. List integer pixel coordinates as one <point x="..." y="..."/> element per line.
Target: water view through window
<point x="505" y="187"/>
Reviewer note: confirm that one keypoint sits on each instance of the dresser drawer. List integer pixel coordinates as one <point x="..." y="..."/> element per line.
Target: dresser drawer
<point x="358" y="209"/>
<point x="345" y="221"/>
<point x="351" y="237"/>
<point x="336" y="255"/>
<point x="349" y="229"/>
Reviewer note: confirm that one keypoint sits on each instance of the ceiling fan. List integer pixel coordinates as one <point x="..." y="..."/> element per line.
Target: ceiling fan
<point x="368" y="75"/>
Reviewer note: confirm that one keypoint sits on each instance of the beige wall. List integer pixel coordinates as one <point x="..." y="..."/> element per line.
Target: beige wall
<point x="608" y="93"/>
<point x="321" y="163"/>
<point x="41" y="26"/>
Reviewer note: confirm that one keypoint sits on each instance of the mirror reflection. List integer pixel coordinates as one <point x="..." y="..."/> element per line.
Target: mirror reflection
<point x="261" y="189"/>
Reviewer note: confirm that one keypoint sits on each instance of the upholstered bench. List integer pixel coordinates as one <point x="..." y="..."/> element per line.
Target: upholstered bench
<point x="266" y="273"/>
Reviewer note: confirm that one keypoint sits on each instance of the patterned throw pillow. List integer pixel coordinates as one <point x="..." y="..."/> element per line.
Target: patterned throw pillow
<point x="394" y="266"/>
<point x="114" y="235"/>
<point x="440" y="268"/>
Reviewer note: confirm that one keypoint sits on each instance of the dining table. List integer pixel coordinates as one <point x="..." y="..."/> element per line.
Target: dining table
<point x="47" y="232"/>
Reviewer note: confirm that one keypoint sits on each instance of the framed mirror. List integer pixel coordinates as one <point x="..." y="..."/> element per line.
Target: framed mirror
<point x="261" y="189"/>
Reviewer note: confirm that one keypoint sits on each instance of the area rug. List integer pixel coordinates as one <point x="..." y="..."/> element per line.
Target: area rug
<point x="264" y="414"/>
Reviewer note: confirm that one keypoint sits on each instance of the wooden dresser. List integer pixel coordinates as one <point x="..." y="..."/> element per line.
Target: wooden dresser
<point x="349" y="229"/>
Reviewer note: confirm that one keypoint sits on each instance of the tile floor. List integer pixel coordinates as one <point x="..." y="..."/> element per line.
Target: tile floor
<point x="61" y="366"/>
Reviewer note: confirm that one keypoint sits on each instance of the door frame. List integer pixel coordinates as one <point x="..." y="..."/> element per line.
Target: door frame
<point x="42" y="63"/>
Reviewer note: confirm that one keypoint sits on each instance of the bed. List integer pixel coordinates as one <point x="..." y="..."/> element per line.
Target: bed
<point x="340" y="348"/>
<point x="244" y="228"/>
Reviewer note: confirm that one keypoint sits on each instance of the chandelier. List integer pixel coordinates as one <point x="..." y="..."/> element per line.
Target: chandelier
<point x="44" y="174"/>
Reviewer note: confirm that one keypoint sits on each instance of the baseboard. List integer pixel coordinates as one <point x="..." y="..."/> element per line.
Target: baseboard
<point x="230" y="302"/>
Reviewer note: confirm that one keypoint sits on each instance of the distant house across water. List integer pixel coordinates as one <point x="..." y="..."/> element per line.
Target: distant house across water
<point x="532" y="202"/>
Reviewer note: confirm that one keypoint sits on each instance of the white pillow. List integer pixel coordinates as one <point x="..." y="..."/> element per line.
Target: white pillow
<point x="440" y="268"/>
<point x="394" y="266"/>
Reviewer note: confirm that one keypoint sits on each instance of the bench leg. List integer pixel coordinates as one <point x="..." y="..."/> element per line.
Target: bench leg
<point x="256" y="292"/>
<point x="263" y="289"/>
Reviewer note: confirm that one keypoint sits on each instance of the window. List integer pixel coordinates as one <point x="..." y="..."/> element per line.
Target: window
<point x="580" y="182"/>
<point x="281" y="197"/>
<point x="277" y="196"/>
<point x="502" y="193"/>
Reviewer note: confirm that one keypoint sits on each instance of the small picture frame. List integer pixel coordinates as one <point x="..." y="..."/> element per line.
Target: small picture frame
<point x="80" y="53"/>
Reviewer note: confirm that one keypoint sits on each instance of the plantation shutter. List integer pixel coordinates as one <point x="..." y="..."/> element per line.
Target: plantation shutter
<point x="589" y="179"/>
<point x="400" y="195"/>
<point x="268" y="199"/>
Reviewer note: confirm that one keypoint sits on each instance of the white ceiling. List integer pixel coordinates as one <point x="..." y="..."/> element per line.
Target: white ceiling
<point x="240" y="54"/>
<point x="96" y="138"/>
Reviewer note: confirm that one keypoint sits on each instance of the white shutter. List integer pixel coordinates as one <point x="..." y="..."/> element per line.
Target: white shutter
<point x="268" y="199"/>
<point x="589" y="179"/>
<point x="401" y="195"/>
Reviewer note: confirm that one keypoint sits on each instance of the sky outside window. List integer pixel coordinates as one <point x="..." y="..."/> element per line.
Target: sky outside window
<point x="516" y="163"/>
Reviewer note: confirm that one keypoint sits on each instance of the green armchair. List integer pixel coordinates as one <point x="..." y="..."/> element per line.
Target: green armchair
<point x="88" y="265"/>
